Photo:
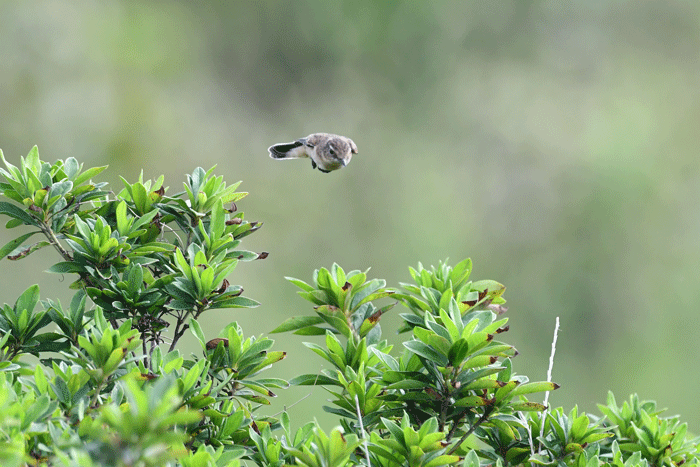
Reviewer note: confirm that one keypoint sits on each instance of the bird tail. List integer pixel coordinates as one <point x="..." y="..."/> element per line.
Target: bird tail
<point x="287" y="150"/>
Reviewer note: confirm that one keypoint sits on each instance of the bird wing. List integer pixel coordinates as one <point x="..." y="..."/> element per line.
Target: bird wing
<point x="292" y="150"/>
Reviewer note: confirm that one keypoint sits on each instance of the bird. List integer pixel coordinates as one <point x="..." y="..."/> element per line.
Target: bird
<point x="327" y="152"/>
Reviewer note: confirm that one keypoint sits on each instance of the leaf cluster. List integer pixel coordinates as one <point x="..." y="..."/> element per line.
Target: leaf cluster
<point x="101" y="382"/>
<point x="140" y="254"/>
<point x="110" y="386"/>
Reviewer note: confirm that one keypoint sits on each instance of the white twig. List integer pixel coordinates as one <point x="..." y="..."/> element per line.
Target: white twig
<point x="549" y="374"/>
<point x="526" y="424"/>
<point x="305" y="397"/>
<point x="285" y="408"/>
<point x="362" y="429"/>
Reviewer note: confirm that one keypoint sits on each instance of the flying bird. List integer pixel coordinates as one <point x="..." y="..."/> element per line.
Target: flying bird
<point x="327" y="152"/>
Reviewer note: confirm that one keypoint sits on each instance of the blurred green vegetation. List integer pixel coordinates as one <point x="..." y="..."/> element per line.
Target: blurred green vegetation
<point x="556" y="145"/>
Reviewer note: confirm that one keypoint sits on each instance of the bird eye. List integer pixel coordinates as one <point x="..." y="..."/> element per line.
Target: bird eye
<point x="331" y="150"/>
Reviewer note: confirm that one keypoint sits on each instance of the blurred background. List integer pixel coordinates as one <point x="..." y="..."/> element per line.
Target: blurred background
<point x="556" y="145"/>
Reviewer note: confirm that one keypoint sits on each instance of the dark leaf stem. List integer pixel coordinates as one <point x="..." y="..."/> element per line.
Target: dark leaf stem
<point x="53" y="240"/>
<point x="181" y="327"/>
<point x="482" y="419"/>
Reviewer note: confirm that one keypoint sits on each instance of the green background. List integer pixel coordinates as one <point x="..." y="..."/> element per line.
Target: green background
<point x="556" y="145"/>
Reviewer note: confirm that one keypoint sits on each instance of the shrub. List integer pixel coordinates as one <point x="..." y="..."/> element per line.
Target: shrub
<point x="112" y="388"/>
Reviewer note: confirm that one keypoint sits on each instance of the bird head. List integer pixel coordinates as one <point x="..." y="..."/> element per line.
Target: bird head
<point x="336" y="151"/>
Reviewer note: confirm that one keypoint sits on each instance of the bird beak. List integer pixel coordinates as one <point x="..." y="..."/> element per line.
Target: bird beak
<point x="343" y="162"/>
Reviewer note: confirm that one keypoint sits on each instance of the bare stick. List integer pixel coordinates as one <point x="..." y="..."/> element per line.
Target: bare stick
<point x="305" y="397"/>
<point x="526" y="424"/>
<point x="362" y="429"/>
<point x="293" y="404"/>
<point x="549" y="374"/>
<point x="482" y="419"/>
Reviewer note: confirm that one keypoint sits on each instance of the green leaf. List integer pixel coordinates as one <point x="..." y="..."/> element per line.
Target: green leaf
<point x="427" y="352"/>
<point x="320" y="351"/>
<point x="338" y="274"/>
<point x="529" y="388"/>
<point x="25" y="251"/>
<point x="197" y="331"/>
<point x="310" y="331"/>
<point x="135" y="279"/>
<point x="140" y="197"/>
<point x="17" y="213"/>
<point x="311" y="380"/>
<point x="152" y="247"/>
<point x="145" y="219"/>
<point x="301" y="284"/>
<point x="461" y="273"/>
<point x="407" y="384"/>
<point x="595" y="437"/>
<point x="494" y="288"/>
<point x="71" y="167"/>
<point x="32" y="161"/>
<point x="35" y="410"/>
<point x="447" y="296"/>
<point x="579" y="427"/>
<point x="182" y="264"/>
<point x="216" y="223"/>
<point x="60" y="189"/>
<point x="326" y="282"/>
<point x="317" y="297"/>
<point x="66" y="267"/>
<point x="28" y="299"/>
<point x="115" y="357"/>
<point x="236" y="302"/>
<point x="444" y="459"/>
<point x="335" y="349"/>
<point x="61" y="389"/>
<point x="15" y="175"/>
<point x="361" y="291"/>
<point x="297" y="322"/>
<point x="395" y="430"/>
<point x="207" y="285"/>
<point x="82" y="227"/>
<point x="122" y="220"/>
<point x="12" y="223"/>
<point x="230" y="195"/>
<point x="470" y="401"/>
<point x="88" y="174"/>
<point x="13" y="244"/>
<point x="527" y="406"/>
<point x="372" y="297"/>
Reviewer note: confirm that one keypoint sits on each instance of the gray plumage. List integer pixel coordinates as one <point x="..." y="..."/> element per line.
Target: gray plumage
<point x="327" y="152"/>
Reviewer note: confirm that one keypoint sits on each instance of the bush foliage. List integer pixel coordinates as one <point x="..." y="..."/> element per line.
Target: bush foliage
<point x="101" y="381"/>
